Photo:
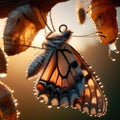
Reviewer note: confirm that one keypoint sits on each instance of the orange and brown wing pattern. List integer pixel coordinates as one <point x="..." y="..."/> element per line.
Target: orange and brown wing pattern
<point x="93" y="101"/>
<point x="60" y="79"/>
<point x="64" y="78"/>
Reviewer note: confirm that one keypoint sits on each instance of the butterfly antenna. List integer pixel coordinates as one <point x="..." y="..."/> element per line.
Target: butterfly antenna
<point x="87" y="35"/>
<point x="51" y="20"/>
<point x="46" y="24"/>
<point x="64" y="27"/>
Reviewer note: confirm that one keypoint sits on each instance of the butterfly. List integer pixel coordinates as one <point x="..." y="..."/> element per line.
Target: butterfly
<point x="63" y="78"/>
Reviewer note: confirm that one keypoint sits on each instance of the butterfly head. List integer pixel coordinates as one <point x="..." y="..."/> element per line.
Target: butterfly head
<point x="67" y="34"/>
<point x="56" y="41"/>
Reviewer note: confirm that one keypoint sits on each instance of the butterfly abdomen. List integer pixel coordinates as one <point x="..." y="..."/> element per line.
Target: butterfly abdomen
<point x="35" y="65"/>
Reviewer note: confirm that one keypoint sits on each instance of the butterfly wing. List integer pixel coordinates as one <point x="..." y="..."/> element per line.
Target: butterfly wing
<point x="93" y="100"/>
<point x="60" y="79"/>
<point x="64" y="79"/>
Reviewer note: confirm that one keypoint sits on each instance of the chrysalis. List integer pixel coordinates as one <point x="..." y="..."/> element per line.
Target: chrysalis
<point x="8" y="104"/>
<point x="6" y="6"/>
<point x="103" y="14"/>
<point x="22" y="25"/>
<point x="3" y="64"/>
<point x="81" y="10"/>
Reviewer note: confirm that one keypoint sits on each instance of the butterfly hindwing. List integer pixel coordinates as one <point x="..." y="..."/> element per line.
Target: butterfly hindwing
<point x="93" y="100"/>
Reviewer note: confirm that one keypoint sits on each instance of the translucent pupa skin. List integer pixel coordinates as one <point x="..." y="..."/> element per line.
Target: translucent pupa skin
<point x="3" y="64"/>
<point x="22" y="25"/>
<point x="12" y="4"/>
<point x="81" y="15"/>
<point x="103" y="14"/>
<point x="81" y="7"/>
<point x="8" y="103"/>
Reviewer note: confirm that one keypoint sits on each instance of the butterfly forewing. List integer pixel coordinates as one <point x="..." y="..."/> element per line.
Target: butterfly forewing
<point x="60" y="79"/>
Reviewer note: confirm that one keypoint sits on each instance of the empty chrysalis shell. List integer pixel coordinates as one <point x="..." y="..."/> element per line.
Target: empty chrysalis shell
<point x="22" y="25"/>
<point x="81" y="7"/>
<point x="6" y="6"/>
<point x="3" y="64"/>
<point x="80" y="10"/>
<point x="103" y="14"/>
<point x="81" y="15"/>
<point x="8" y="103"/>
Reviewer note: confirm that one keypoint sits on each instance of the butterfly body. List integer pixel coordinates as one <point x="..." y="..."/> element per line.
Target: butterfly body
<point x="63" y="77"/>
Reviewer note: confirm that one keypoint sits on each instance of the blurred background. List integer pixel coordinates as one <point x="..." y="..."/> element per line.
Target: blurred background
<point x="95" y="53"/>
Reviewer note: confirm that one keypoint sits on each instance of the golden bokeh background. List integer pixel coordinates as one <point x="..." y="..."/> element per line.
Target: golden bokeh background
<point x="96" y="55"/>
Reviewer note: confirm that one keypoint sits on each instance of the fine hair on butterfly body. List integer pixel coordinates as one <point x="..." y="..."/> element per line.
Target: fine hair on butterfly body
<point x="64" y="79"/>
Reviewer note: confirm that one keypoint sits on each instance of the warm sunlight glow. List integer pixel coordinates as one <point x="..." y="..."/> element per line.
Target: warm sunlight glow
<point x="92" y="98"/>
<point x="2" y="75"/>
<point x="2" y="26"/>
<point x="39" y="38"/>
